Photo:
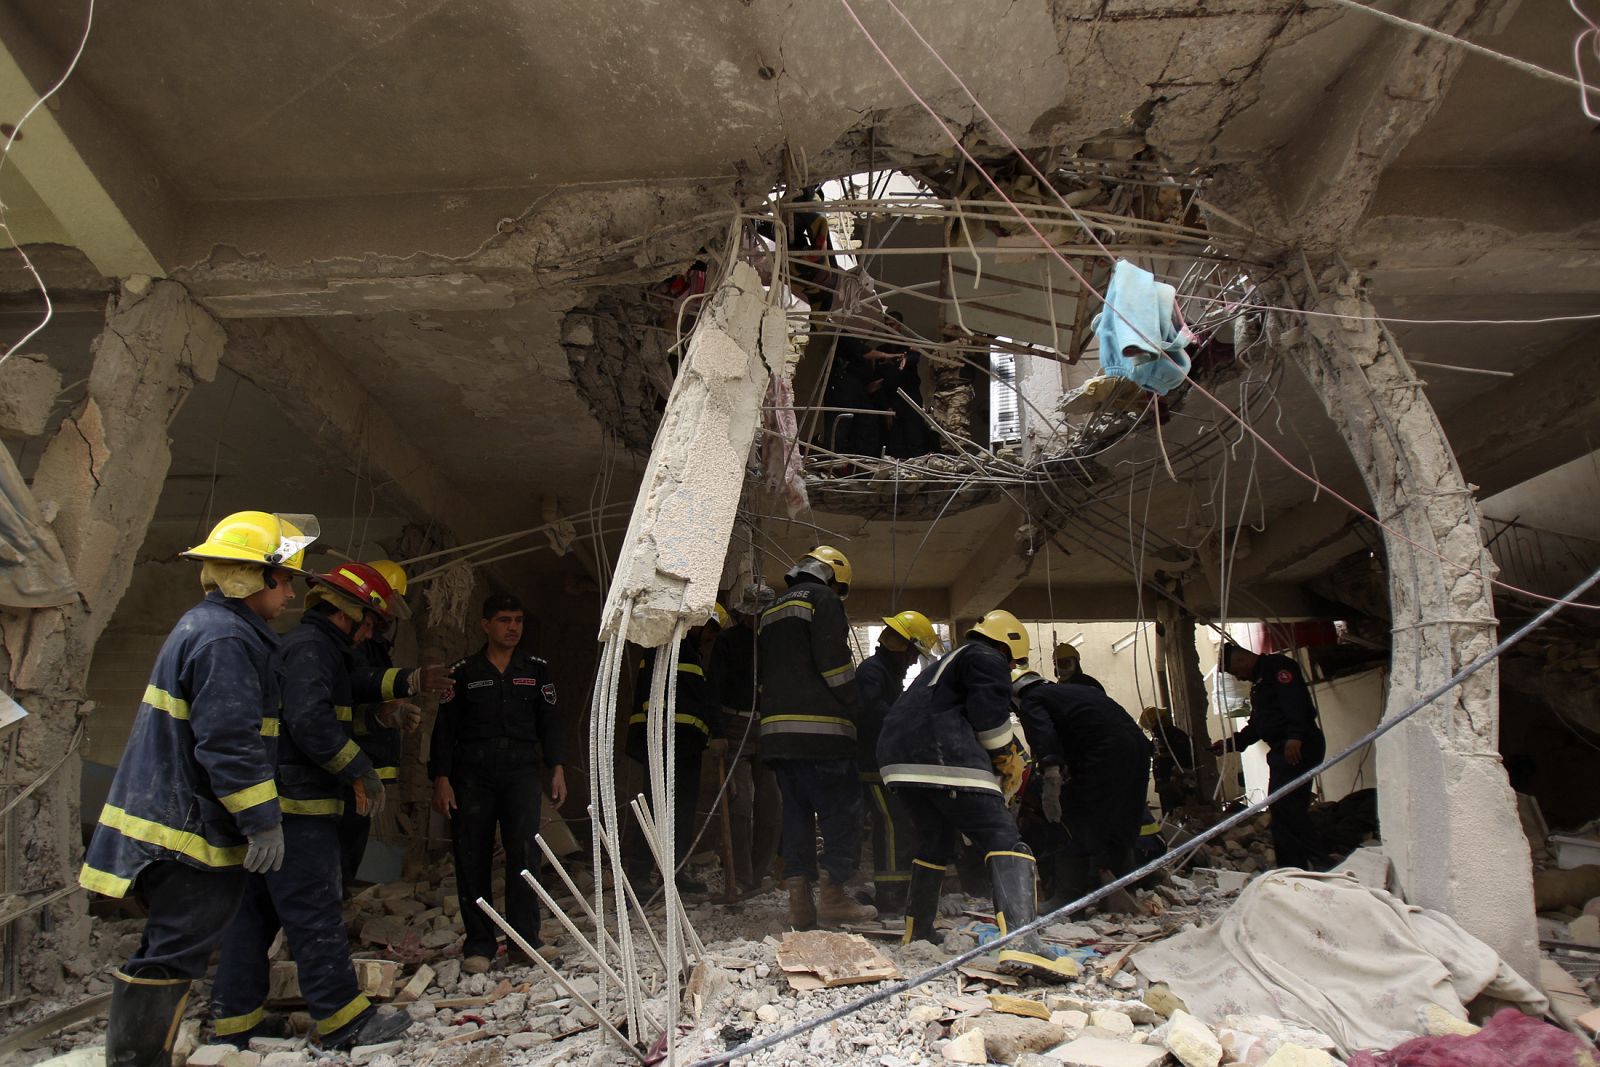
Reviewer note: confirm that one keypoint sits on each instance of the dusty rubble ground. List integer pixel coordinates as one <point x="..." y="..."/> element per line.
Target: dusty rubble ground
<point x="518" y="1015"/>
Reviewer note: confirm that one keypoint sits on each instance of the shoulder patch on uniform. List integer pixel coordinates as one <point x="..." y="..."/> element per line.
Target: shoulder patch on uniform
<point x="480" y="684"/>
<point x="1285" y="677"/>
<point x="549" y="692"/>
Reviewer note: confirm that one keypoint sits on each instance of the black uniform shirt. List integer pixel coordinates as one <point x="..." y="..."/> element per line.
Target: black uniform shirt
<point x="1280" y="706"/>
<point x="485" y="705"/>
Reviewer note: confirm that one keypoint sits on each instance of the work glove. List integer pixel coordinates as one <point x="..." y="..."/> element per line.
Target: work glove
<point x="1010" y="765"/>
<point x="1050" y="793"/>
<point x="434" y="678"/>
<point x="369" y="794"/>
<point x="265" y="853"/>
<point x="402" y="713"/>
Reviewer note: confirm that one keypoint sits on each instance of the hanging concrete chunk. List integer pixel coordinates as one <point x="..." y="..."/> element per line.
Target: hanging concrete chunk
<point x="671" y="561"/>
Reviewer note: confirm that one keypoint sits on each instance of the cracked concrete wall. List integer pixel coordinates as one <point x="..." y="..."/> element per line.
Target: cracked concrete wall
<point x="677" y="540"/>
<point x="98" y="482"/>
<point x="1448" y="815"/>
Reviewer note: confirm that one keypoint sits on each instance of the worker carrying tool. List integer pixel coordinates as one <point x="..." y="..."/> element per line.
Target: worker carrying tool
<point x="697" y="720"/>
<point x="808" y="736"/>
<point x="194" y="804"/>
<point x="880" y="680"/>
<point x="755" y="808"/>
<point x="317" y="759"/>
<point x="384" y="711"/>
<point x="949" y="751"/>
<point x="1094" y="761"/>
<point x="498" y="724"/>
<point x="1281" y="714"/>
<point x="1069" y="667"/>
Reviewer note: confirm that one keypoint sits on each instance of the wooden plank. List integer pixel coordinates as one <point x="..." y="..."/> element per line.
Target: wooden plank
<point x="50" y="1024"/>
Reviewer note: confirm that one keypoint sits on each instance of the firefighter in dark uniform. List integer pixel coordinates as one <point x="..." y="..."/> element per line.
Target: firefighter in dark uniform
<point x="880" y="680"/>
<point x="497" y="724"/>
<point x="1282" y="715"/>
<point x="754" y="806"/>
<point x="808" y="736"/>
<point x="194" y="805"/>
<point x="1094" y="762"/>
<point x="317" y="760"/>
<point x="385" y="713"/>
<point x="696" y="720"/>
<point x="951" y="754"/>
<point x="1069" y="668"/>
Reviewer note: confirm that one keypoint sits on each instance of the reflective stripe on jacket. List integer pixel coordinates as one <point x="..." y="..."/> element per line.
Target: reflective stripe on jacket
<point x="696" y="714"/>
<point x="808" y="687"/>
<point x="196" y="776"/>
<point x="317" y="753"/>
<point x="944" y="732"/>
<point x="376" y="680"/>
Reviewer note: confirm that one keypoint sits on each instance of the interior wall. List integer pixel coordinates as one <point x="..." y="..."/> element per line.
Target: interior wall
<point x="1350" y="707"/>
<point x="1561" y="499"/>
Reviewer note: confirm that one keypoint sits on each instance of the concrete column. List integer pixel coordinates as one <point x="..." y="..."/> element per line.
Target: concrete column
<point x="1449" y="817"/>
<point x="98" y="483"/>
<point x="1186" y="686"/>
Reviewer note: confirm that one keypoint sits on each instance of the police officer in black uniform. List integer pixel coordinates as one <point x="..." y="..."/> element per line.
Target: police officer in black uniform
<point x="1282" y="715"/>
<point x="495" y="727"/>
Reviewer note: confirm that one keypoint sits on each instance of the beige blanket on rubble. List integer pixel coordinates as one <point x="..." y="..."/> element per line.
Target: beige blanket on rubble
<point x="1328" y="952"/>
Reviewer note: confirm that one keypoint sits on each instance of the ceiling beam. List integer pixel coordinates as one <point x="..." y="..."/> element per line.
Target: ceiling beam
<point x="994" y="569"/>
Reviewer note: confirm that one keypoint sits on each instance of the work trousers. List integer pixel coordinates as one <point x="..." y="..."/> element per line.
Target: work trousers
<point x="892" y="843"/>
<point x="826" y="795"/>
<point x="1103" y="804"/>
<point x="303" y="898"/>
<point x="754" y="807"/>
<point x="354" y="830"/>
<point x="497" y="783"/>
<point x="190" y="910"/>
<point x="941" y="817"/>
<point x="687" y="763"/>
<point x="1295" y="842"/>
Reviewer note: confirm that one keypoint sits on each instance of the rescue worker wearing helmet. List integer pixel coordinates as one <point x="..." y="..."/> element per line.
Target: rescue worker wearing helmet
<point x="194" y="805"/>
<point x="696" y="720"/>
<point x="1069" y="667"/>
<point x="808" y="736"/>
<point x="880" y="680"/>
<point x="1095" y="764"/>
<point x="384" y="712"/>
<point x="317" y="759"/>
<point x="950" y="753"/>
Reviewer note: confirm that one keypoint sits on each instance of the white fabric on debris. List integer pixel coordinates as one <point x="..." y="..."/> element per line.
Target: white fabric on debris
<point x="1328" y="952"/>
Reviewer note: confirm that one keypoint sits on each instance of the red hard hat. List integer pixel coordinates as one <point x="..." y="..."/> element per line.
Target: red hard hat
<point x="360" y="583"/>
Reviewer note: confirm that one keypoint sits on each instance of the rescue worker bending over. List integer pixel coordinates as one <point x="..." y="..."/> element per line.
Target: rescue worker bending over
<point x="1069" y="668"/>
<point x="808" y="736"/>
<point x="194" y="806"/>
<point x="1095" y="763"/>
<point x="880" y="680"/>
<point x="493" y="728"/>
<point x="316" y="760"/>
<point x="950" y="753"/>
<point x="754" y="807"/>
<point x="696" y="720"/>
<point x="1282" y="715"/>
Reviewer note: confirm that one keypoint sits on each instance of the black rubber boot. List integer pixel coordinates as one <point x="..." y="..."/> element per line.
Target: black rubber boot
<point x="145" y="1014"/>
<point x="1075" y="876"/>
<point x="371" y="1028"/>
<point x="922" y="903"/>
<point x="1016" y="905"/>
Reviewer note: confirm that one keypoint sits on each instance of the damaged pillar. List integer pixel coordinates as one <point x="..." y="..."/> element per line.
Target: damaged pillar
<point x="1186" y="687"/>
<point x="97" y="484"/>
<point x="1449" y="818"/>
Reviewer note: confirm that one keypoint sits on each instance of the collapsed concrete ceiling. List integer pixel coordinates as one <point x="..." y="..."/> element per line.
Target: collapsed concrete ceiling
<point x="410" y="198"/>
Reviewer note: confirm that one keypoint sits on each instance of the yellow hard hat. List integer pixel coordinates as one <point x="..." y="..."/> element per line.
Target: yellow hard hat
<point x="720" y="617"/>
<point x="1004" y="627"/>
<point x="1067" y="650"/>
<point x="1022" y="679"/>
<point x="914" y="627"/>
<point x="260" y="537"/>
<point x="826" y="563"/>
<point x="395" y="575"/>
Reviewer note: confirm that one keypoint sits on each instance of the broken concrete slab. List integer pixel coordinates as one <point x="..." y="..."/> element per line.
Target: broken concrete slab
<point x="1099" y="1052"/>
<point x="1007" y="1037"/>
<point x="1192" y="1041"/>
<point x="965" y="1048"/>
<point x="29" y="386"/>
